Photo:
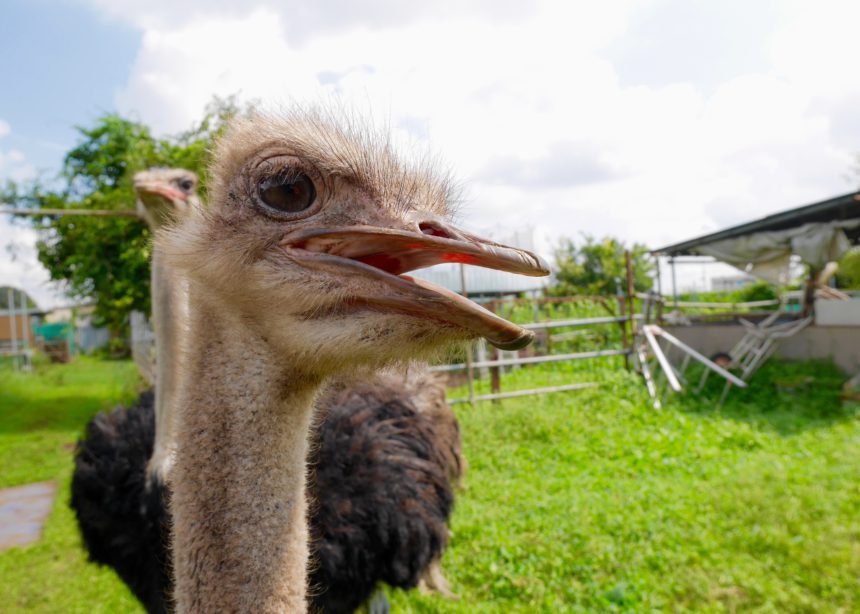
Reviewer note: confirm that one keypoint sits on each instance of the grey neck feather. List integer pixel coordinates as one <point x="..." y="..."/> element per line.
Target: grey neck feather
<point x="169" y="312"/>
<point x="240" y="536"/>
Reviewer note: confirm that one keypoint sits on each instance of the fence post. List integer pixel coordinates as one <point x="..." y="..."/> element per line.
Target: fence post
<point x="631" y="307"/>
<point x="470" y="372"/>
<point x="495" y="374"/>
<point x="13" y="326"/>
<point x="631" y="290"/>
<point x="28" y="364"/>
<point x="622" y="311"/>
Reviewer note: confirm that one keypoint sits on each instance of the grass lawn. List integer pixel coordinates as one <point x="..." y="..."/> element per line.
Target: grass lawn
<point x="576" y="502"/>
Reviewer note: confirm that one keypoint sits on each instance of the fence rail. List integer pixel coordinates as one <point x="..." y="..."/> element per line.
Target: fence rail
<point x="532" y="360"/>
<point x="579" y="322"/>
<point x="522" y="393"/>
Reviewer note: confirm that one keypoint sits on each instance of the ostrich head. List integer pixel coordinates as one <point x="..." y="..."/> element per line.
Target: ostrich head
<point x="164" y="193"/>
<point x="312" y="225"/>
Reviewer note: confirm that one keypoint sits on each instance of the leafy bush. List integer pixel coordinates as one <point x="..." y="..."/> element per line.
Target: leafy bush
<point x="759" y="291"/>
<point x="848" y="276"/>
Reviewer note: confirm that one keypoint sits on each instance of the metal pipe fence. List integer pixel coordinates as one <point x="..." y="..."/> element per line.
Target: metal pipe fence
<point x="471" y="366"/>
<point x="622" y="314"/>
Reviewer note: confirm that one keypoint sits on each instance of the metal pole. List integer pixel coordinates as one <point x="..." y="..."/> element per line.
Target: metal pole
<point x="668" y="371"/>
<point x="469" y="370"/>
<point x="521" y="393"/>
<point x="674" y="281"/>
<point x="702" y="359"/>
<point x="13" y="325"/>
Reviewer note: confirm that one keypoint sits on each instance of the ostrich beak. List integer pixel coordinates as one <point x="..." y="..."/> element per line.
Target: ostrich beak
<point x="387" y="253"/>
<point x="158" y="189"/>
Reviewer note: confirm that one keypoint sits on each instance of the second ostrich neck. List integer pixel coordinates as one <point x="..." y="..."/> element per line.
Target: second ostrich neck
<point x="168" y="312"/>
<point x="240" y="533"/>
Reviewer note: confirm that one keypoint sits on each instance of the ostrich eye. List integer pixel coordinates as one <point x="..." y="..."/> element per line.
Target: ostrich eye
<point x="288" y="193"/>
<point x="186" y="184"/>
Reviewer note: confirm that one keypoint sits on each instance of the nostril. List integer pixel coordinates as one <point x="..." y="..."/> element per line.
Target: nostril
<point x="435" y="230"/>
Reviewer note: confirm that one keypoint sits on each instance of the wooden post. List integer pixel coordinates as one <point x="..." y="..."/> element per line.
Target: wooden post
<point x="809" y="293"/>
<point x="25" y="311"/>
<point x="495" y="374"/>
<point x="622" y="311"/>
<point x="631" y="290"/>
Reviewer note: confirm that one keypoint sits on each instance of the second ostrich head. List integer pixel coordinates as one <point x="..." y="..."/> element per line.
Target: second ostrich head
<point x="312" y="226"/>
<point x="165" y="194"/>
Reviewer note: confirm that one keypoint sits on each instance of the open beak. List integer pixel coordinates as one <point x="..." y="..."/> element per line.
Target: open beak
<point x="386" y="254"/>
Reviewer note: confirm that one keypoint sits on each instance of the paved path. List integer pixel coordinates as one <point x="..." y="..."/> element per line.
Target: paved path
<point x="23" y="511"/>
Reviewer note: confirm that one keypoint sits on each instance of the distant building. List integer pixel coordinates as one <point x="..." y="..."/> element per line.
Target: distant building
<point x="730" y="283"/>
<point x="489" y="283"/>
<point x="18" y="314"/>
<point x="87" y="336"/>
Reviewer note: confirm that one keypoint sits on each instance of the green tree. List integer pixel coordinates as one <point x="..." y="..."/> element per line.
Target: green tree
<point x="107" y="259"/>
<point x="598" y="266"/>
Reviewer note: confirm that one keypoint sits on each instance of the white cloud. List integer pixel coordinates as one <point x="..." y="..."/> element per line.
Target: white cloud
<point x="13" y="164"/>
<point x="746" y="117"/>
<point x="19" y="265"/>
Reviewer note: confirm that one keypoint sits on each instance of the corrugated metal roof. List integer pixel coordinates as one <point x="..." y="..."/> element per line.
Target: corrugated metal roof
<point x="488" y="281"/>
<point x="843" y="207"/>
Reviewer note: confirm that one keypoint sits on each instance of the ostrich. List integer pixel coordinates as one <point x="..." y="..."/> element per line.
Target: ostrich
<point x="294" y="278"/>
<point x="295" y="275"/>
<point x="163" y="196"/>
<point x="124" y="525"/>
<point x="117" y="489"/>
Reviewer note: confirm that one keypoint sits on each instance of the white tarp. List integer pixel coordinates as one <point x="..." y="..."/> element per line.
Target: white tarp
<point x="767" y="254"/>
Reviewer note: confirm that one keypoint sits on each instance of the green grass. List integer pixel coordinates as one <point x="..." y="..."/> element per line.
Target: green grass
<point x="41" y="416"/>
<point x="576" y="502"/>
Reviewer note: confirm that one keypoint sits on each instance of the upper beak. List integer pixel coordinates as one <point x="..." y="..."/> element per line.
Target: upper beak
<point x="159" y="189"/>
<point x="387" y="253"/>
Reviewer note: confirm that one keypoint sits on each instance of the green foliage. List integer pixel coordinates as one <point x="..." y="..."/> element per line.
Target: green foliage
<point x="575" y="502"/>
<point x="107" y="259"/>
<point x="848" y="276"/>
<point x="597" y="267"/>
<point x="758" y="291"/>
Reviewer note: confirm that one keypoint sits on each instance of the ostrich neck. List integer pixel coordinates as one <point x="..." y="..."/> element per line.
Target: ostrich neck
<point x="168" y="312"/>
<point x="240" y="533"/>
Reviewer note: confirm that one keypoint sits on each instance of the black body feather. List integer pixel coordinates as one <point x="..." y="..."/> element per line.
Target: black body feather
<point x="380" y="495"/>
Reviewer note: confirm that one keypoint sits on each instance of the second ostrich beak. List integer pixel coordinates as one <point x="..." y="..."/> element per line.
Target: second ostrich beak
<point x="385" y="254"/>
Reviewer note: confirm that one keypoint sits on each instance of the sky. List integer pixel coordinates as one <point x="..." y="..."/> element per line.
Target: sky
<point x="651" y="120"/>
